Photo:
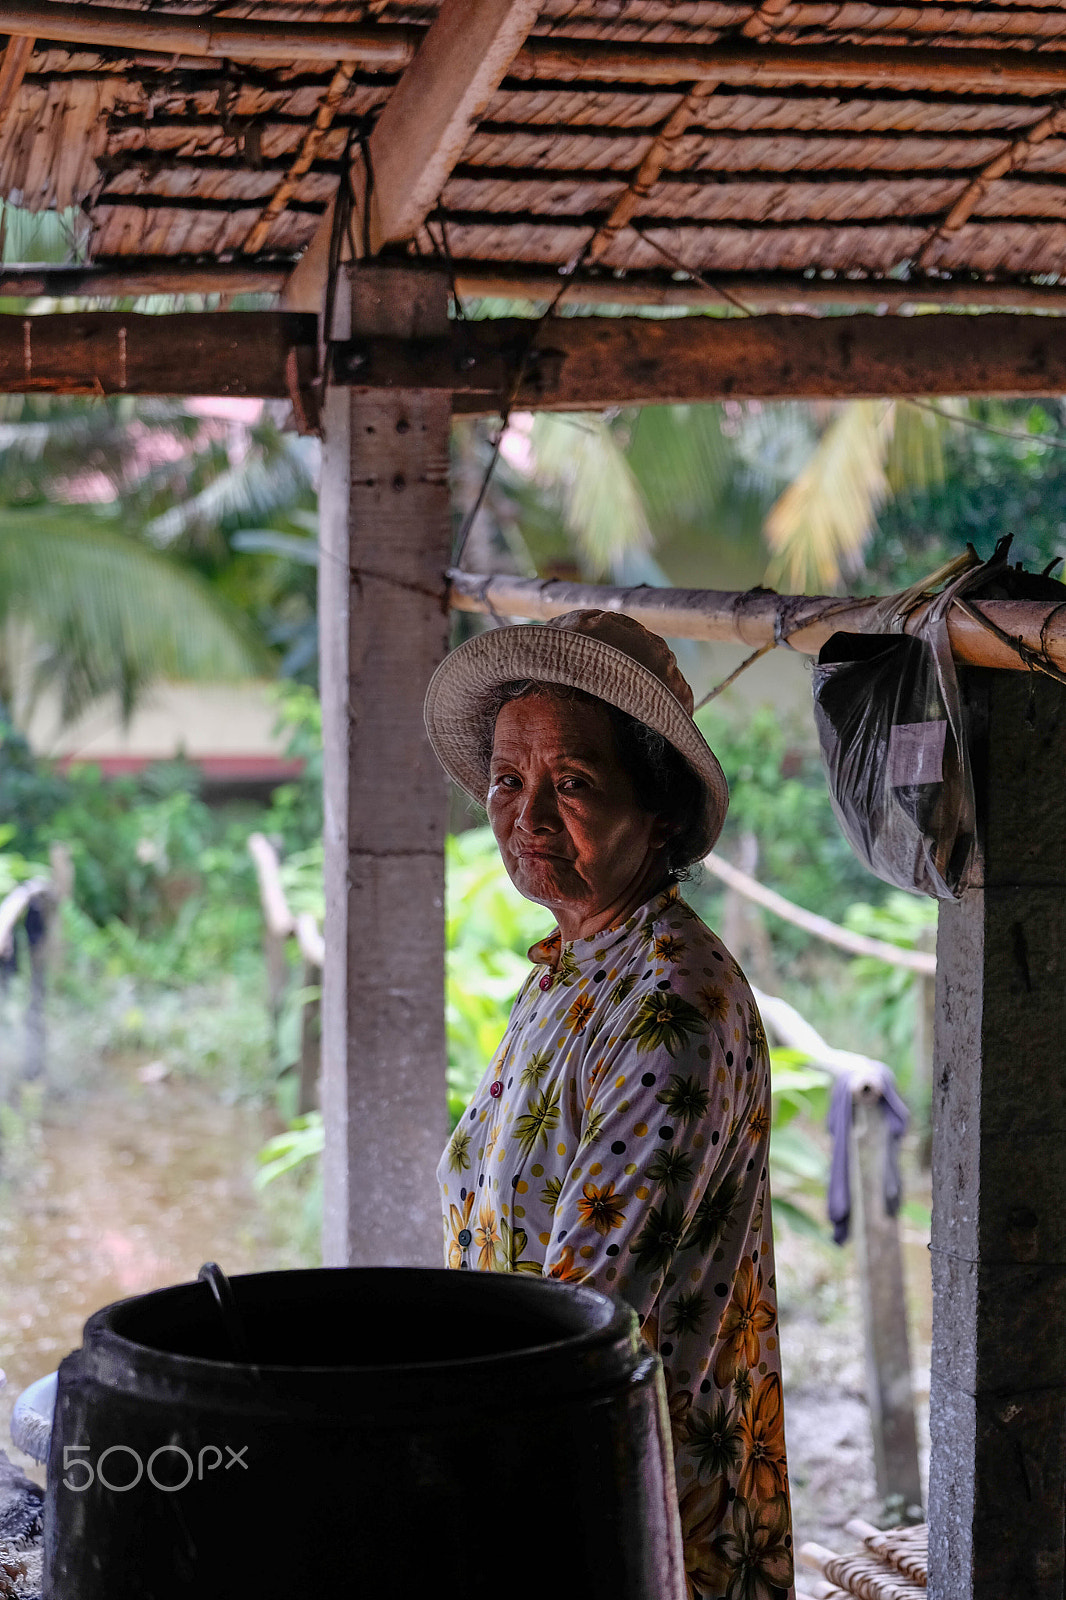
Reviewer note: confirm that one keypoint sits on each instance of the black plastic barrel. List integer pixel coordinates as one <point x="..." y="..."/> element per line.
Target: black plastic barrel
<point x="396" y="1433"/>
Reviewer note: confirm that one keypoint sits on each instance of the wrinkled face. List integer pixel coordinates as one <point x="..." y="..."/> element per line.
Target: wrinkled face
<point x="563" y="810"/>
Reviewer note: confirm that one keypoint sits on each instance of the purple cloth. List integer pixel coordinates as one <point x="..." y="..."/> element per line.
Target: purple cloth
<point x="838" y="1122"/>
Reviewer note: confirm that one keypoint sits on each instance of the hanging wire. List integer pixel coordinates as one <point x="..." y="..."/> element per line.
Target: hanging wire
<point x="535" y="326"/>
<point x="1057" y="441"/>
<point x="690" y="272"/>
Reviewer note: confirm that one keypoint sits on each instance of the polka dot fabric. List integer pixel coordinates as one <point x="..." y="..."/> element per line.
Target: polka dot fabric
<point x="620" y="1138"/>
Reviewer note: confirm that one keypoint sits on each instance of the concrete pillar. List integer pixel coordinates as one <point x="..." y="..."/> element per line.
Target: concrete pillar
<point x="997" y="1493"/>
<point x="385" y="542"/>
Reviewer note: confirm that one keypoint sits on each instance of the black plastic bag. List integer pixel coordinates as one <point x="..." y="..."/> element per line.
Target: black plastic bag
<point x="893" y="742"/>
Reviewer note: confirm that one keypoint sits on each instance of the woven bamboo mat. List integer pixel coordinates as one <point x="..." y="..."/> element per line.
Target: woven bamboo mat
<point x="892" y="1565"/>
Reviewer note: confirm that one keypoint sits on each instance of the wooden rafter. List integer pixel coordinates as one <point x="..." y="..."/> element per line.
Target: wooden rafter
<point x="423" y="129"/>
<point x="309" y="145"/>
<point x="13" y="65"/>
<point x="1011" y="159"/>
<point x="662" y="146"/>
<point x="132" y="276"/>
<point x="966" y="69"/>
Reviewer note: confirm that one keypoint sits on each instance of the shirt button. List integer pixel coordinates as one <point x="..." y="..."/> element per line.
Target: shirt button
<point x="496" y="1089"/>
<point x="465" y="1237"/>
<point x="546" y="981"/>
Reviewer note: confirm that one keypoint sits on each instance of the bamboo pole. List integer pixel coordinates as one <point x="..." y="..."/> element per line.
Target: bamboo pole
<point x="858" y="944"/>
<point x="760" y="617"/>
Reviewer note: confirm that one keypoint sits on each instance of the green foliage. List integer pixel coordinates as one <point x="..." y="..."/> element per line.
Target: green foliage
<point x="993" y="483"/>
<point x="884" y="996"/>
<point x="296" y="807"/>
<point x="778" y="792"/>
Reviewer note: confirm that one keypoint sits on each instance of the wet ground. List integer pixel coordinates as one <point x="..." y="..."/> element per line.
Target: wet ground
<point x="136" y="1183"/>
<point x="128" y="1188"/>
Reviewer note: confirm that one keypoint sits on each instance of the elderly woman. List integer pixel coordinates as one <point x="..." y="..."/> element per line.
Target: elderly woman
<point x="619" y="1136"/>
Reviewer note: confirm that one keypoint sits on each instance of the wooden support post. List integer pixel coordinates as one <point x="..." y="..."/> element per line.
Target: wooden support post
<point x="385" y="537"/>
<point x="889" y="1389"/>
<point x="997" y="1492"/>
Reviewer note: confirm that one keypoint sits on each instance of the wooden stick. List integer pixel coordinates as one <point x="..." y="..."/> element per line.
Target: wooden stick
<point x="650" y="170"/>
<point x="858" y="944"/>
<point x="309" y="938"/>
<point x="1010" y="159"/>
<point x="796" y="1033"/>
<point x="279" y="919"/>
<point x="327" y="110"/>
<point x="755" y="618"/>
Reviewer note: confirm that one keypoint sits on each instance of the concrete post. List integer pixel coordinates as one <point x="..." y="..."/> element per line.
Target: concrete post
<point x="997" y="1494"/>
<point x="385" y="542"/>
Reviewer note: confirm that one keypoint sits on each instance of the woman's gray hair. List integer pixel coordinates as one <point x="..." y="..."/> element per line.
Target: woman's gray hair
<point x="663" y="782"/>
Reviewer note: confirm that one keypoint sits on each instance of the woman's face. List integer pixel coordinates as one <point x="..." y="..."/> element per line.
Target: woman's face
<point x="564" y="813"/>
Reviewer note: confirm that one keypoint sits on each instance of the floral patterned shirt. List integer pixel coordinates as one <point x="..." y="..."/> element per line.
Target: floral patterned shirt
<point x="619" y="1138"/>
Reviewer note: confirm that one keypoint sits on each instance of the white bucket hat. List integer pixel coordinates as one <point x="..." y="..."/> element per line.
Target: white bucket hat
<point x="603" y="653"/>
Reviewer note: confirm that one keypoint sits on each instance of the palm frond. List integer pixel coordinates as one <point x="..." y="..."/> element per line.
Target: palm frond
<point x="581" y="461"/>
<point x="683" y="463"/>
<point x="109" y="614"/>
<point x="255" y="486"/>
<point x="917" y="448"/>
<point x="820" y="525"/>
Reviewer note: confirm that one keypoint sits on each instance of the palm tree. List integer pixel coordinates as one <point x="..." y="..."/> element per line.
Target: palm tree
<point x="115" y="562"/>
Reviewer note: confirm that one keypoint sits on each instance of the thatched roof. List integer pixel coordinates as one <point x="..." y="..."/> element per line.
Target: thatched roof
<point x="189" y="159"/>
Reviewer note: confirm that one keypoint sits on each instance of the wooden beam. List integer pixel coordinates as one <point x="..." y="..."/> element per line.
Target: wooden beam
<point x="422" y="131"/>
<point x="591" y="363"/>
<point x="964" y="70"/>
<point x="759" y="617"/>
<point x="207" y="36"/>
<point x="187" y="353"/>
<point x="576" y="363"/>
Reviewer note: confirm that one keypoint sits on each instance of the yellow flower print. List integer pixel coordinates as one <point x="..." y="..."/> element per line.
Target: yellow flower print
<point x="759" y="1123"/>
<point x="669" y="948"/>
<point x="580" y="1012"/>
<point x="458" y="1219"/>
<point x="746" y="1317"/>
<point x="487" y="1237"/>
<point x="762" y="1437"/>
<point x="601" y="1208"/>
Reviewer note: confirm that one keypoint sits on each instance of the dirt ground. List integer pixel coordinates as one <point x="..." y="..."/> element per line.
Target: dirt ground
<point x="135" y="1184"/>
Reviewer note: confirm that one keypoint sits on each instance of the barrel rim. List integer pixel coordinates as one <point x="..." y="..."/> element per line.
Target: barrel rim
<point x="620" y="1323"/>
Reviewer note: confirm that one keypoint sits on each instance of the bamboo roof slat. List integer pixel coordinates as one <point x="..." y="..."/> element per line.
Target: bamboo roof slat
<point x="843" y="137"/>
